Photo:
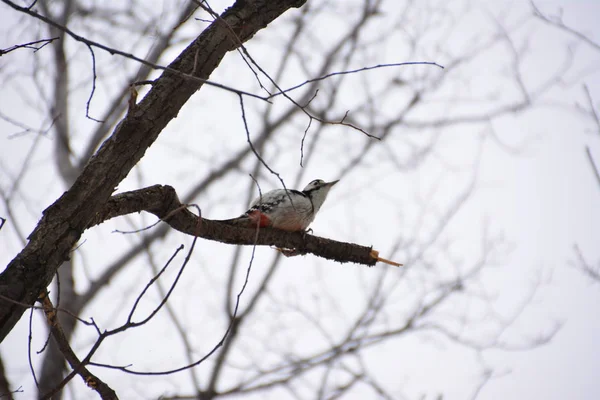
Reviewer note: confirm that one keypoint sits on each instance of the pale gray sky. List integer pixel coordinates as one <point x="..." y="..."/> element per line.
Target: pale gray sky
<point x="542" y="201"/>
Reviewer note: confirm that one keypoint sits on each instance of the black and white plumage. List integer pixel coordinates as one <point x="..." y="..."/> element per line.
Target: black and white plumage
<point x="289" y="210"/>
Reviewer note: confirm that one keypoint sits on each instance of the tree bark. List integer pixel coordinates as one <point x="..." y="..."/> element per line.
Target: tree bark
<point x="62" y="224"/>
<point x="163" y="202"/>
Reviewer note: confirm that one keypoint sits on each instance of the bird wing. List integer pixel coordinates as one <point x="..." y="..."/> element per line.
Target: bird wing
<point x="267" y="200"/>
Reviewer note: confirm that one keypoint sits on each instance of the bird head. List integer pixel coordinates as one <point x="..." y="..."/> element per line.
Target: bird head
<point x="317" y="190"/>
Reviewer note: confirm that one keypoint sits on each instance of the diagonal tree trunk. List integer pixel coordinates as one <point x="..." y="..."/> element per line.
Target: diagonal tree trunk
<point x="53" y="366"/>
<point x="62" y="224"/>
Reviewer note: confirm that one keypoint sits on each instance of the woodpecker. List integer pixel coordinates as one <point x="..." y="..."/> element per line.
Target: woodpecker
<point x="289" y="210"/>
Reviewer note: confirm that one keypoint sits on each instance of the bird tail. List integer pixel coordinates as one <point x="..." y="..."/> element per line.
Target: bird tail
<point x="251" y="219"/>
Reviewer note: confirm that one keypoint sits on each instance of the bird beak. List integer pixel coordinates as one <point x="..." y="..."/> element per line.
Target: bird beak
<point x="332" y="183"/>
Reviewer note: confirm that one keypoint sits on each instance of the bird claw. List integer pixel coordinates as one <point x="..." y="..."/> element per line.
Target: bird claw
<point x="308" y="231"/>
<point x="289" y="252"/>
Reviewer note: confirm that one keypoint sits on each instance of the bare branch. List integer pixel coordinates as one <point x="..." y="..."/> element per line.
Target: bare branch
<point x="162" y="201"/>
<point x="53" y="238"/>
<point x="354" y="71"/>
<point x="593" y="164"/>
<point x="90" y="379"/>
<point x="558" y="23"/>
<point x="113" y="51"/>
<point x="590" y="270"/>
<point x="118" y="104"/>
<point x="29" y="45"/>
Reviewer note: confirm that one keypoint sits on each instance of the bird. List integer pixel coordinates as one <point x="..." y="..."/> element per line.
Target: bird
<point x="286" y="209"/>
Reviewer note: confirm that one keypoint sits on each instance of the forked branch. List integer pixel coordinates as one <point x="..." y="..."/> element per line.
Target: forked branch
<point x="92" y="381"/>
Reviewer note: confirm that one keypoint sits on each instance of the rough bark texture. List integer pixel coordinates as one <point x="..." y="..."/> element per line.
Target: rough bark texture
<point x="53" y="367"/>
<point x="32" y="270"/>
<point x="163" y="202"/>
<point x="91" y="380"/>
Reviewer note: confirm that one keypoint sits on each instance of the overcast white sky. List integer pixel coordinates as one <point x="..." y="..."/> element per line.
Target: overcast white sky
<point x="543" y="201"/>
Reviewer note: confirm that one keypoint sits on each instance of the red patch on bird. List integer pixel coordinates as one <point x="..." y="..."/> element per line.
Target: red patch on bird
<point x="259" y="219"/>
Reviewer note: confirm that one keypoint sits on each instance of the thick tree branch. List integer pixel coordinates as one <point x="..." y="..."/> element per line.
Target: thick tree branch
<point x="119" y="103"/>
<point x="163" y="202"/>
<point x="62" y="223"/>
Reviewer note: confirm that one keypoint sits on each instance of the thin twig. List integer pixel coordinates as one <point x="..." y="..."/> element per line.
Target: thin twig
<point x="114" y="51"/>
<point x="63" y="310"/>
<point x="353" y="71"/>
<point x="593" y="164"/>
<point x="92" y="381"/>
<point x="30" y="339"/>
<point x="94" y="77"/>
<point x="29" y="45"/>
